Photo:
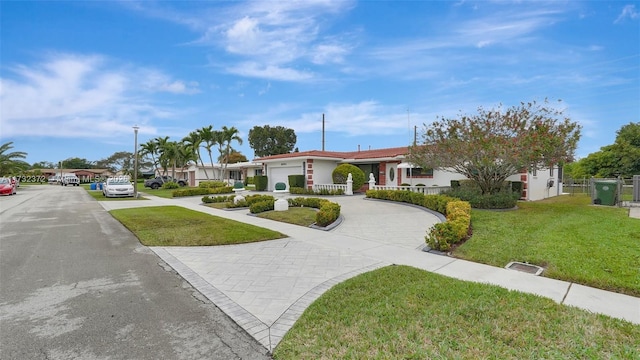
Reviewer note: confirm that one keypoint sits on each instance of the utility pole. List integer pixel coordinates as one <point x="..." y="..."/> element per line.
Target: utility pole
<point x="322" y="131"/>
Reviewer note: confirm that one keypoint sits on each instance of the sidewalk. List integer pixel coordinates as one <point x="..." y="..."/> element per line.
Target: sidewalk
<point x="266" y="286"/>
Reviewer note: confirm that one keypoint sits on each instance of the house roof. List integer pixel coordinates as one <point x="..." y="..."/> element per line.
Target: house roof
<point x="387" y="153"/>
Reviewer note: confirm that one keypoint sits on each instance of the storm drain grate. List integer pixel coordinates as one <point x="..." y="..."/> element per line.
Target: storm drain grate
<point x="524" y="267"/>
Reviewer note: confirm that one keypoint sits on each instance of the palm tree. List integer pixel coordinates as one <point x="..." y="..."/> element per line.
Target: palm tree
<point x="9" y="162"/>
<point x="206" y="134"/>
<point x="163" y="145"/>
<point x="193" y="141"/>
<point x="170" y="155"/>
<point x="227" y="135"/>
<point x="151" y="148"/>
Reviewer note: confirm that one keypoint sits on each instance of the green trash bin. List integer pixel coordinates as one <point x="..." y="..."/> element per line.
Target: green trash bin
<point x="606" y="192"/>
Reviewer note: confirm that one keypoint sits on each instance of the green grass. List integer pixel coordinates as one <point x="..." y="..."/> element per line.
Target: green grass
<point x="177" y="226"/>
<point x="399" y="312"/>
<point x="295" y="215"/>
<point x="597" y="246"/>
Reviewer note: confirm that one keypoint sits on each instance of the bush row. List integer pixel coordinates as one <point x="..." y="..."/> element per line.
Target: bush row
<point x="212" y="184"/>
<point x="250" y="200"/>
<point x="436" y="203"/>
<point x="328" y="211"/>
<point x="201" y="191"/>
<point x="217" y="199"/>
<point x="303" y="191"/>
<point x="442" y="235"/>
<point x="170" y="185"/>
<point x="262" y="206"/>
<point x="505" y="199"/>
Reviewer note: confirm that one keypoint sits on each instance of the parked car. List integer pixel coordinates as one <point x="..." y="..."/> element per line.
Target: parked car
<point x="70" y="180"/>
<point x="53" y="180"/>
<point x="159" y="180"/>
<point x="7" y="187"/>
<point x="118" y="187"/>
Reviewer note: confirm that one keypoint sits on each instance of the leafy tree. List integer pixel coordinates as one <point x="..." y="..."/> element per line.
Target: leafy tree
<point x="266" y="140"/>
<point x="120" y="161"/>
<point x="77" y="163"/>
<point x="10" y="162"/>
<point x="622" y="158"/>
<point x="234" y="157"/>
<point x="494" y="144"/>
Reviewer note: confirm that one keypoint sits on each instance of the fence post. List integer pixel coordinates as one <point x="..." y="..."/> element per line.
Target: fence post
<point x="372" y="181"/>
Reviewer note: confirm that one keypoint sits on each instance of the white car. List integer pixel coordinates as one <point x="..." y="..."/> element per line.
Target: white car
<point x="118" y="187"/>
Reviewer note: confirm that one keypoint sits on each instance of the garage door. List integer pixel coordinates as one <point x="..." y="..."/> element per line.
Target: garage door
<point x="281" y="174"/>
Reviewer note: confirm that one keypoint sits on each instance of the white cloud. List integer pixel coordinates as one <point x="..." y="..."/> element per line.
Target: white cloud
<point x="274" y="72"/>
<point x="69" y="95"/>
<point x="628" y="12"/>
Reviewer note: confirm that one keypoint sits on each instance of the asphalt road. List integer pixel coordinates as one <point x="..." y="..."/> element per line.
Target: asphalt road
<point x="76" y="284"/>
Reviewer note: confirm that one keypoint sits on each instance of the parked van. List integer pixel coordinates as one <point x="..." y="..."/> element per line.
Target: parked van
<point x="71" y="180"/>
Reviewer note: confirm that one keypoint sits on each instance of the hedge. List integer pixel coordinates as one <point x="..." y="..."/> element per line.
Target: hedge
<point x="442" y="235"/>
<point x="202" y="191"/>
<point x="261" y="182"/>
<point x="217" y="199"/>
<point x="212" y="184"/>
<point x="296" y="181"/>
<point x="328" y="211"/>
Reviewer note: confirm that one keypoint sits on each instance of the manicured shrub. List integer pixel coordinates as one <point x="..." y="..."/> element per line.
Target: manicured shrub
<point x="442" y="235"/>
<point x="261" y="206"/>
<point x="261" y="182"/>
<point x="170" y="185"/>
<point x="501" y="200"/>
<point x="328" y="211"/>
<point x="201" y="191"/>
<point x="422" y="185"/>
<point x="341" y="172"/>
<point x="405" y="184"/>
<point x="212" y="184"/>
<point x="297" y="181"/>
<point x="217" y="199"/>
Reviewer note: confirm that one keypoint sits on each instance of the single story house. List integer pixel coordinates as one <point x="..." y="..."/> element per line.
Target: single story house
<point x="85" y="175"/>
<point x="389" y="168"/>
<point x="195" y="173"/>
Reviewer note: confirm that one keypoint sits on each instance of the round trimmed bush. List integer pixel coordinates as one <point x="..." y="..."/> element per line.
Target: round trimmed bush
<point x="341" y="172"/>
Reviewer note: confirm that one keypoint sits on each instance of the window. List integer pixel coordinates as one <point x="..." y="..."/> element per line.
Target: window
<point x="419" y="172"/>
<point x="551" y="171"/>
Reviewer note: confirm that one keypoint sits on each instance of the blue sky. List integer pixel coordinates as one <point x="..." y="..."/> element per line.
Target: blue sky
<point x="77" y="76"/>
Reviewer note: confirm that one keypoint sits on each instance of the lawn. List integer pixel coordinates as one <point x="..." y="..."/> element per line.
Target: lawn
<point x="295" y="215"/>
<point x="399" y="312"/>
<point x="597" y="246"/>
<point x="177" y="226"/>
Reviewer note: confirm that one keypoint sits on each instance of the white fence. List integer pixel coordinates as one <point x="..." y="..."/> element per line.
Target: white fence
<point x="330" y="187"/>
<point x="426" y="190"/>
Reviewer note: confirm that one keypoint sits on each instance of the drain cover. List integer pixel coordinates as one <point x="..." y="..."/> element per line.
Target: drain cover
<point x="524" y="267"/>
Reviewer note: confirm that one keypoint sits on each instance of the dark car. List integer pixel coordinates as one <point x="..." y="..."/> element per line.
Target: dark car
<point x="159" y="180"/>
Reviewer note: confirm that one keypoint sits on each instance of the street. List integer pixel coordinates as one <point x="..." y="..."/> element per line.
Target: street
<point x="76" y="284"/>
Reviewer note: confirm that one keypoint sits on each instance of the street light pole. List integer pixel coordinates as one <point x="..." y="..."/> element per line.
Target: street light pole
<point x="135" y="161"/>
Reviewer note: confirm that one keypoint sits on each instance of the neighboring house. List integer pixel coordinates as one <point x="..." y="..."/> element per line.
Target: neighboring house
<point x="85" y="175"/>
<point x="389" y="169"/>
<point x="235" y="172"/>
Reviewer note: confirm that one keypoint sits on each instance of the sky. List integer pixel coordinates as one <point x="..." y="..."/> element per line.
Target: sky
<point x="75" y="77"/>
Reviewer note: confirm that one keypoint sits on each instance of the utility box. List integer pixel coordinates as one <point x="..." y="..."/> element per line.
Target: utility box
<point x="606" y="192"/>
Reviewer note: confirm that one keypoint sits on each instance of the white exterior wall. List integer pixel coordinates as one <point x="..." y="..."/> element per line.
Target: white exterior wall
<point x="537" y="188"/>
<point x="440" y="178"/>
<point x="322" y="170"/>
